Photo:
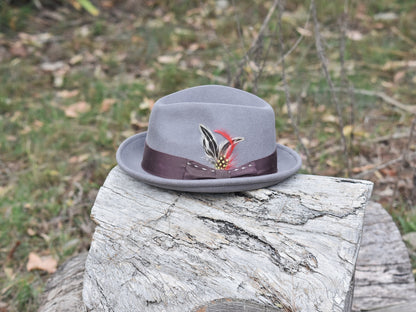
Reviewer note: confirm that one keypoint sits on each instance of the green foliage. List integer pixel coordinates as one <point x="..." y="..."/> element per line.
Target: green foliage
<point x="13" y="19"/>
<point x="407" y="222"/>
<point x="88" y="6"/>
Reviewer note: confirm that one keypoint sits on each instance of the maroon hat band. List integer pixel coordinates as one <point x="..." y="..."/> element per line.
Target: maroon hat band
<point x="174" y="167"/>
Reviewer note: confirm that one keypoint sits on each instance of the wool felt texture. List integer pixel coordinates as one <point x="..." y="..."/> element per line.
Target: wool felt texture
<point x="174" y="129"/>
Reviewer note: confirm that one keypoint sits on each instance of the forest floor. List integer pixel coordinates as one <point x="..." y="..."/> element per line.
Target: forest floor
<point x="74" y="86"/>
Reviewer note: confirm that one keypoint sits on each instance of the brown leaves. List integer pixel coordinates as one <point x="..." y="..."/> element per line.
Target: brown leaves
<point x="65" y="94"/>
<point x="43" y="263"/>
<point x="106" y="105"/>
<point x="169" y="59"/>
<point x="18" y="49"/>
<point x="74" y="110"/>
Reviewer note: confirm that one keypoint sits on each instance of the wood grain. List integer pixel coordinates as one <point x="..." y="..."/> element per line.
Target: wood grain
<point x="292" y="246"/>
<point x="383" y="274"/>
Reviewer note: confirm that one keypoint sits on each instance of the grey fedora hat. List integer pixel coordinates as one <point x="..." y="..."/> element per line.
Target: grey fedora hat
<point x="211" y="139"/>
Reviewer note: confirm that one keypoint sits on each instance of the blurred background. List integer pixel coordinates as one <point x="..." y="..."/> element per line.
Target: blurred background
<point x="77" y="77"/>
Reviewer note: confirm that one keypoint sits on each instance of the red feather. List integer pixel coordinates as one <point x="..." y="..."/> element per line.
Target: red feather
<point x="229" y="139"/>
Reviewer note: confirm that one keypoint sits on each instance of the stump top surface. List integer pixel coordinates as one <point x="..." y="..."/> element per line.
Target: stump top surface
<point x="291" y="246"/>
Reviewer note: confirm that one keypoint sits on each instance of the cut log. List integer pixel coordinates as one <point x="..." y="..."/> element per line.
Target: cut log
<point x="63" y="291"/>
<point x="383" y="274"/>
<point x="292" y="247"/>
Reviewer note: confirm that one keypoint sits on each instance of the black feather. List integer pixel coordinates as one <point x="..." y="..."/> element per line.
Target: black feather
<point x="209" y="143"/>
<point x="225" y="145"/>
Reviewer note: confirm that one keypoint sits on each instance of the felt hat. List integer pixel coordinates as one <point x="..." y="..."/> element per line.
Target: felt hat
<point x="211" y="139"/>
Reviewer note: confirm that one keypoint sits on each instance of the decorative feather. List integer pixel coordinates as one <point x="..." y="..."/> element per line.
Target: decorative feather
<point x="226" y="148"/>
<point x="221" y="157"/>
<point x="209" y="143"/>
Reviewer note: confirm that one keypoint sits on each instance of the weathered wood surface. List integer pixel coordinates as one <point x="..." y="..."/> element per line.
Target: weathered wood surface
<point x="63" y="291"/>
<point x="293" y="245"/>
<point x="383" y="274"/>
<point x="383" y="282"/>
<point x="409" y="306"/>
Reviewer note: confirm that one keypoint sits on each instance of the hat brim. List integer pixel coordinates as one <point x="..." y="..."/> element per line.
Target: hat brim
<point x="130" y="155"/>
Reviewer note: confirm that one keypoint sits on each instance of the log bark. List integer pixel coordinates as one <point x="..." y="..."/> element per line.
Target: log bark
<point x="292" y="247"/>
<point x="63" y="291"/>
<point x="383" y="274"/>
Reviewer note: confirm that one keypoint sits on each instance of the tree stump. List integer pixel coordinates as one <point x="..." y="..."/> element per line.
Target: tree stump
<point x="383" y="275"/>
<point x="291" y="247"/>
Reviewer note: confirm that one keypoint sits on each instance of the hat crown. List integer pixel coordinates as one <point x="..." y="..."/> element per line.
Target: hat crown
<point x="174" y="125"/>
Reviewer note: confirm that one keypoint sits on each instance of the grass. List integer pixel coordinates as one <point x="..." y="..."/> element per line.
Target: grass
<point x="52" y="165"/>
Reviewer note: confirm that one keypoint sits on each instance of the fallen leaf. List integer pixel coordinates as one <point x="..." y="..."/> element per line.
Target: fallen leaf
<point x="107" y="4"/>
<point x="348" y="130"/>
<point x="399" y="76"/>
<point x="18" y="49"/>
<point x="386" y="16"/>
<point x="354" y="35"/>
<point x="5" y="189"/>
<point x="147" y="104"/>
<point x="3" y="306"/>
<point x="65" y="94"/>
<point x="76" y="59"/>
<point x="169" y="59"/>
<point x="79" y="159"/>
<point x="26" y="129"/>
<point x="37" y="124"/>
<point x="58" y="77"/>
<point x="9" y="273"/>
<point x="74" y="110"/>
<point x="193" y="47"/>
<point x="304" y="32"/>
<point x="106" y="105"/>
<point x="330" y="118"/>
<point x="45" y="263"/>
<point x="362" y="168"/>
<point x="389" y="172"/>
<point x="51" y="67"/>
<point x="398" y="64"/>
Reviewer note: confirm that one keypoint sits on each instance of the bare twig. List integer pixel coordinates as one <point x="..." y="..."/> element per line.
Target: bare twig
<point x="254" y="45"/>
<point x="286" y="87"/>
<point x="298" y="41"/>
<point x="410" y="140"/>
<point x="388" y="99"/>
<point x="394" y="136"/>
<point x="324" y="62"/>
<point x="396" y="31"/>
<point x="383" y="165"/>
<point x="405" y="161"/>
<point x="239" y="31"/>
<point x="344" y="79"/>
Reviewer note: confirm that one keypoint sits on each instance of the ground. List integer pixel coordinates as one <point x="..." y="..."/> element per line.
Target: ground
<point x="73" y="86"/>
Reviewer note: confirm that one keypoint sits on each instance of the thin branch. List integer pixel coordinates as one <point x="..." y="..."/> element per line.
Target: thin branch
<point x="298" y="41"/>
<point x="410" y="140"/>
<point x="408" y="108"/>
<point x="388" y="99"/>
<point x="254" y="44"/>
<point x="344" y="79"/>
<point x="383" y="165"/>
<point x="405" y="161"/>
<point x="286" y="86"/>
<point x="239" y="30"/>
<point x="324" y="62"/>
